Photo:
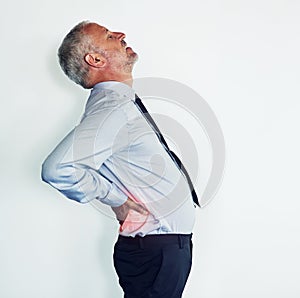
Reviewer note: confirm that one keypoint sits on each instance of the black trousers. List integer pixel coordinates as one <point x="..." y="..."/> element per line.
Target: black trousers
<point x="155" y="266"/>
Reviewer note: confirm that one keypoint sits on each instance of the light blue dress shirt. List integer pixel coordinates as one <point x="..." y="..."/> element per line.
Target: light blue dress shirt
<point x="114" y="154"/>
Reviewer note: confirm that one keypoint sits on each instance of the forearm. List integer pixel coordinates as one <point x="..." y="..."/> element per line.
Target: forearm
<point x="77" y="178"/>
<point x="82" y="184"/>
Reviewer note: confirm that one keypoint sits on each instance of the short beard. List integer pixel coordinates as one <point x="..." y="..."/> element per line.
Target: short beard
<point x="121" y="66"/>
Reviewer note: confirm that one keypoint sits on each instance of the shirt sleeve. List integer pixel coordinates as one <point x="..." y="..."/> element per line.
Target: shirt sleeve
<point x="73" y="167"/>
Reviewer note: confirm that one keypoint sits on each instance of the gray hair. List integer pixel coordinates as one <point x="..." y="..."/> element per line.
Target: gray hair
<point x="71" y="54"/>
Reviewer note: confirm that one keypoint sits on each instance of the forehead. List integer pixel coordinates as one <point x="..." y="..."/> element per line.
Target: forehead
<point x="95" y="29"/>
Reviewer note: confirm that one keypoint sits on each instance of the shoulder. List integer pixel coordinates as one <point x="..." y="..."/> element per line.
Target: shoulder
<point x="107" y="103"/>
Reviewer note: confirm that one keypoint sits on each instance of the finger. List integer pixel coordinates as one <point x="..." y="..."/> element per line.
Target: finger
<point x="120" y="212"/>
<point x="137" y="207"/>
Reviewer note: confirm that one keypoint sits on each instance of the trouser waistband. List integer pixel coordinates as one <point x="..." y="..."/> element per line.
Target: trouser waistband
<point x="149" y="241"/>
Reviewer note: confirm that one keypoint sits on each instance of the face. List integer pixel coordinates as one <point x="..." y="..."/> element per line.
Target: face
<point x="113" y="47"/>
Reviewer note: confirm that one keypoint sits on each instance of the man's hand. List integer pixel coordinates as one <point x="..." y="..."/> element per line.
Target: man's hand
<point x="122" y="211"/>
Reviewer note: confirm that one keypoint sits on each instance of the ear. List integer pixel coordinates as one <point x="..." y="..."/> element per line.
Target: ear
<point x="95" y="60"/>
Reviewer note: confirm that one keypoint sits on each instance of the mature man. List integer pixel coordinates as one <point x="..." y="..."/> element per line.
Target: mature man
<point x="118" y="156"/>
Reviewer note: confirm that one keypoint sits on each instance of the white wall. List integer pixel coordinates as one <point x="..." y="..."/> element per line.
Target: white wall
<point x="242" y="57"/>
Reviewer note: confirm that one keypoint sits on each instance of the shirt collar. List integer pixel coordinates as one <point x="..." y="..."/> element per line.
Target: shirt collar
<point x="118" y="87"/>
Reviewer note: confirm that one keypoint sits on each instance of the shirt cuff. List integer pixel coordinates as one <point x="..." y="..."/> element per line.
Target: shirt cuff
<point x="114" y="198"/>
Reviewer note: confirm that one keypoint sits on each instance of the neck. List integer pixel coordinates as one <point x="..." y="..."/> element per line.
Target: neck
<point x="125" y="78"/>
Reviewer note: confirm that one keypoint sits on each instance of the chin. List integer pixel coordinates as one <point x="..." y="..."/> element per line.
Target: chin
<point x="135" y="56"/>
<point x="132" y="58"/>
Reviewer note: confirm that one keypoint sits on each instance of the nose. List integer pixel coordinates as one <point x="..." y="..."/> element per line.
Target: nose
<point x="119" y="35"/>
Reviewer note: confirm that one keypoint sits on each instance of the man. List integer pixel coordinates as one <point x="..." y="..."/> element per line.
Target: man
<point x="118" y="156"/>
